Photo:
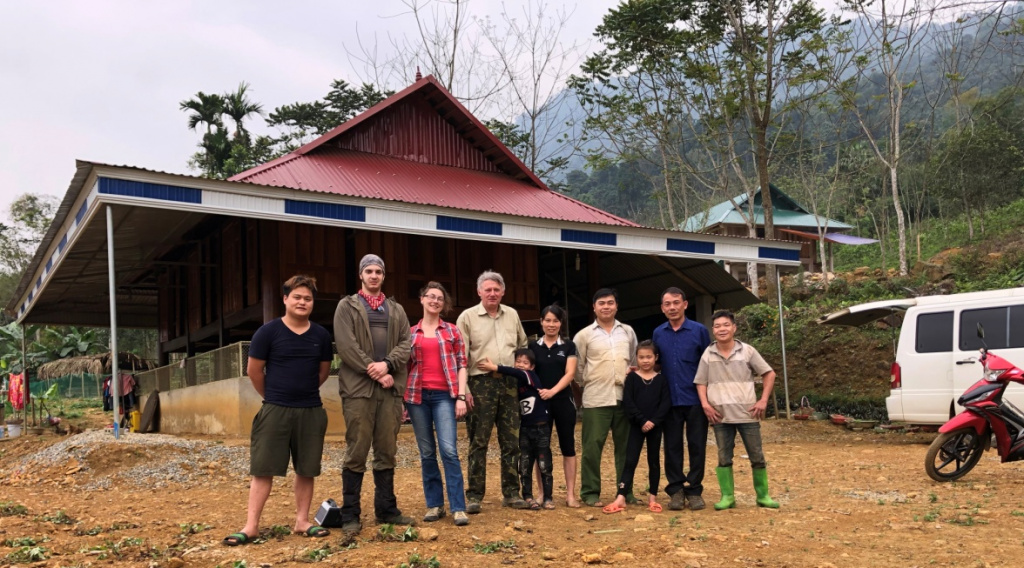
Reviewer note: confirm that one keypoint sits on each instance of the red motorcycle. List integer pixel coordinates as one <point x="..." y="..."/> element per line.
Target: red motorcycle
<point x="963" y="439"/>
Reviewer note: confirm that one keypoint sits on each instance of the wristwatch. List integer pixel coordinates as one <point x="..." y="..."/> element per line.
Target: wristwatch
<point x="461" y="397"/>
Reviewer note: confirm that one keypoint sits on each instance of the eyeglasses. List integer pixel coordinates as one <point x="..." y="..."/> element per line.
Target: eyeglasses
<point x="434" y="298"/>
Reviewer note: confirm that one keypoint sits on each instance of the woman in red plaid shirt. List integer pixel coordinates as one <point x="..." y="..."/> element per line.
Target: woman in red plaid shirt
<point x="436" y="397"/>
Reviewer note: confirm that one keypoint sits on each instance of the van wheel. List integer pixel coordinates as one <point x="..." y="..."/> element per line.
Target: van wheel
<point x="953" y="454"/>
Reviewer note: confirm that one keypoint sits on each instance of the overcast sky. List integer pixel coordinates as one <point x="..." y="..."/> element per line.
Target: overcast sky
<point x="101" y="80"/>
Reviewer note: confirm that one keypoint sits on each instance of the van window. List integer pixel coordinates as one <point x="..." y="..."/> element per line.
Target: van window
<point x="1004" y="327"/>
<point x="935" y="332"/>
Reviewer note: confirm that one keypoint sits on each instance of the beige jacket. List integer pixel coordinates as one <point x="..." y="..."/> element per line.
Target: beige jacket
<point x="352" y="336"/>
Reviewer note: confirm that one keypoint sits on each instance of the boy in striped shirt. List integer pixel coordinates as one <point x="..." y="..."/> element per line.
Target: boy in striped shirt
<point x="725" y="386"/>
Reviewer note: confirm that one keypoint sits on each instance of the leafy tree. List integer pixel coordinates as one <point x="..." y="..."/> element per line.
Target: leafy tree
<point x="301" y="121"/>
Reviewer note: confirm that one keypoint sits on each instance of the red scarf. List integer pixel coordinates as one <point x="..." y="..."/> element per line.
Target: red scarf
<point x="375" y="301"/>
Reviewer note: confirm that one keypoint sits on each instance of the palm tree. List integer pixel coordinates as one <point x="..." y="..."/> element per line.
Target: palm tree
<point x="238" y="106"/>
<point x="206" y="109"/>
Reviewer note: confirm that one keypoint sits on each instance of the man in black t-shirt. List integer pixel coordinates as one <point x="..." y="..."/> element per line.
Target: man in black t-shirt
<point x="289" y="358"/>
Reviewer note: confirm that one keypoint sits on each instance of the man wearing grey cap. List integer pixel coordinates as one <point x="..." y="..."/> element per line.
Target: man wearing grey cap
<point x="372" y="334"/>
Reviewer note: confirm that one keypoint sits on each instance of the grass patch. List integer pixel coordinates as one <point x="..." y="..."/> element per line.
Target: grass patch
<point x="28" y="554"/>
<point x="494" y="546"/>
<point x="417" y="561"/>
<point x="58" y="518"/>
<point x="388" y="533"/>
<point x="12" y="509"/>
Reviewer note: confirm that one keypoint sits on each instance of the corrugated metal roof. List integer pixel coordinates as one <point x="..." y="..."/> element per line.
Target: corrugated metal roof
<point x="786" y="213"/>
<point x="422" y="146"/>
<point x="359" y="174"/>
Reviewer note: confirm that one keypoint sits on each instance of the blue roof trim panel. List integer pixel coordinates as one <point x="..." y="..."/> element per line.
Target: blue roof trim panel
<point x="589" y="237"/>
<point x="150" y="190"/>
<point x="63" y="243"/>
<point x="446" y="223"/>
<point x="81" y="212"/>
<point x="687" y="245"/>
<point x="778" y="254"/>
<point x="338" y="211"/>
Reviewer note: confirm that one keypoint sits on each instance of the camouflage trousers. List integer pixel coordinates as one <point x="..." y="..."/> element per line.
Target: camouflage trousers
<point x="495" y="403"/>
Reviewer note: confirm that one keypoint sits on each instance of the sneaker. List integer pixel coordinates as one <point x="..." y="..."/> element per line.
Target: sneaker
<point x="678" y="501"/>
<point x="515" y="503"/>
<point x="473" y="507"/>
<point x="461" y="519"/>
<point x="433" y="514"/>
<point x="695" y="502"/>
<point x="397" y="520"/>
<point x="351" y="528"/>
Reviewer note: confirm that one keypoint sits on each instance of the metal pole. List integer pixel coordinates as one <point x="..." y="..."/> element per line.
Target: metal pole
<point x="115" y="378"/>
<point x="26" y="391"/>
<point x="782" y="337"/>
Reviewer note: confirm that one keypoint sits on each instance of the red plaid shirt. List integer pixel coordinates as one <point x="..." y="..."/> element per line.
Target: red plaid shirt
<point x="453" y="358"/>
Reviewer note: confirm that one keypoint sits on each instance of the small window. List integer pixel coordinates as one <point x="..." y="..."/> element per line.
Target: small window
<point x="935" y="332"/>
<point x="1004" y="328"/>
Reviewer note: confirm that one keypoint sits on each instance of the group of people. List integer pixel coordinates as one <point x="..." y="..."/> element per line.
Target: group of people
<point x="485" y="369"/>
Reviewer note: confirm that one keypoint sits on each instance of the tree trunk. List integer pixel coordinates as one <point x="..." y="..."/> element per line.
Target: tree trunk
<point x="752" y="266"/>
<point x="764" y="181"/>
<point x="901" y="227"/>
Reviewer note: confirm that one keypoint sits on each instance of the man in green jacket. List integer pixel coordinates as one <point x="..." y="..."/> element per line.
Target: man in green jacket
<point x="372" y="335"/>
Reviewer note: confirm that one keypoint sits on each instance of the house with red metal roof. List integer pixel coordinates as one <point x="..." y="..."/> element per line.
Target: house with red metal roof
<point x="416" y="179"/>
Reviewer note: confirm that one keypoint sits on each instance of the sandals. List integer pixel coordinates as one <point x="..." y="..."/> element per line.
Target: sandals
<point x="532" y="505"/>
<point x="548" y="504"/>
<point x="315" y="531"/>
<point x="655" y="507"/>
<point x="612" y="509"/>
<point x="237" y="539"/>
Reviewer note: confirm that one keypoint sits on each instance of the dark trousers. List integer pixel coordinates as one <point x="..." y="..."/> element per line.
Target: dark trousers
<point x="634" y="444"/>
<point x="535" y="447"/>
<point x="691" y="421"/>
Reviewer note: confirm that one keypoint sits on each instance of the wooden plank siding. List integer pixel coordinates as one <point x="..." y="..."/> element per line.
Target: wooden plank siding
<point x="218" y="287"/>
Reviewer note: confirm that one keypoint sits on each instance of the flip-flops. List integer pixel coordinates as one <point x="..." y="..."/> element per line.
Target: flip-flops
<point x="613" y="508"/>
<point x="655" y="507"/>
<point x="315" y="531"/>
<point x="237" y="539"/>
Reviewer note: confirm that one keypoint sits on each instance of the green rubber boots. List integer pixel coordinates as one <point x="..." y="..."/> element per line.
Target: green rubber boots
<point x="728" y="487"/>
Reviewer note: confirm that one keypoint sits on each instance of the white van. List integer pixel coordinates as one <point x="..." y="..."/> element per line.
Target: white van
<point x="936" y="357"/>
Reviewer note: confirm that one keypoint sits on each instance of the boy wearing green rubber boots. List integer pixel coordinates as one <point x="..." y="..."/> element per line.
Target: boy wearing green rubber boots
<point x="725" y="386"/>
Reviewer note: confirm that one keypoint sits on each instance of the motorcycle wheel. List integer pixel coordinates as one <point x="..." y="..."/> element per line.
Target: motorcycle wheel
<point x="953" y="454"/>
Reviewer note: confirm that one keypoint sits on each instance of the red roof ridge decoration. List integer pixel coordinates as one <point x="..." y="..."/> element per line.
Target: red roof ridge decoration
<point x="443" y="155"/>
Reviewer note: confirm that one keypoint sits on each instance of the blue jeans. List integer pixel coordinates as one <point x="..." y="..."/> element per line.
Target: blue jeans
<point x="725" y="437"/>
<point x="436" y="413"/>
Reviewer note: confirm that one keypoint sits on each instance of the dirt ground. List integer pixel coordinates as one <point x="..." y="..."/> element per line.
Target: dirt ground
<point x="848" y="499"/>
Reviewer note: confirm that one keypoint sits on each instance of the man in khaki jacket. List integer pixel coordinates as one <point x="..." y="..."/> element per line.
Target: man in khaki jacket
<point x="372" y="335"/>
<point x="606" y="350"/>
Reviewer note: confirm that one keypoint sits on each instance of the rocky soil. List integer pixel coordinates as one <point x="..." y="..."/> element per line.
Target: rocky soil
<point x="848" y="499"/>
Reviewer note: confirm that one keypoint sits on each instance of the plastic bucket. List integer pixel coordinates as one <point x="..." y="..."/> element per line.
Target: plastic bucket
<point x="13" y="430"/>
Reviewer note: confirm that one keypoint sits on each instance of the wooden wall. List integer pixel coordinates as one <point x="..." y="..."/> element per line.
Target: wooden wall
<point x="225" y="280"/>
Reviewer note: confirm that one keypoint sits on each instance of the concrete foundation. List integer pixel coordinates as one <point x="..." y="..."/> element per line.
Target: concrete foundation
<point x="227" y="407"/>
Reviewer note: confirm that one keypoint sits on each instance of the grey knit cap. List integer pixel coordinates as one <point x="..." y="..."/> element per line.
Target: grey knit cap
<point x="371" y="259"/>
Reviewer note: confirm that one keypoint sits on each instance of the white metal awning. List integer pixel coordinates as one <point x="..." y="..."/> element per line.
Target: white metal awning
<point x="67" y="280"/>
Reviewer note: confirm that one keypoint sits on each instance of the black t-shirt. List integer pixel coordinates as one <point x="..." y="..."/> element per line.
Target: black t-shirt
<point x="550" y="363"/>
<point x="293" y="362"/>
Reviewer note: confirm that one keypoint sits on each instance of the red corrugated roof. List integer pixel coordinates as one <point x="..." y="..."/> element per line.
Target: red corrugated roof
<point x="359" y="174"/>
<point x="422" y="146"/>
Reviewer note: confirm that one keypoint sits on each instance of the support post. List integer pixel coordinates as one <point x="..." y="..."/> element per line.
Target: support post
<point x="25" y="389"/>
<point x="115" y="374"/>
<point x="782" y="338"/>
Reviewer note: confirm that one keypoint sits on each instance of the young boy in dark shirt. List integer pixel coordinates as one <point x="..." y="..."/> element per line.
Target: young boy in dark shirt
<point x="534" y="427"/>
<point x="646" y="400"/>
